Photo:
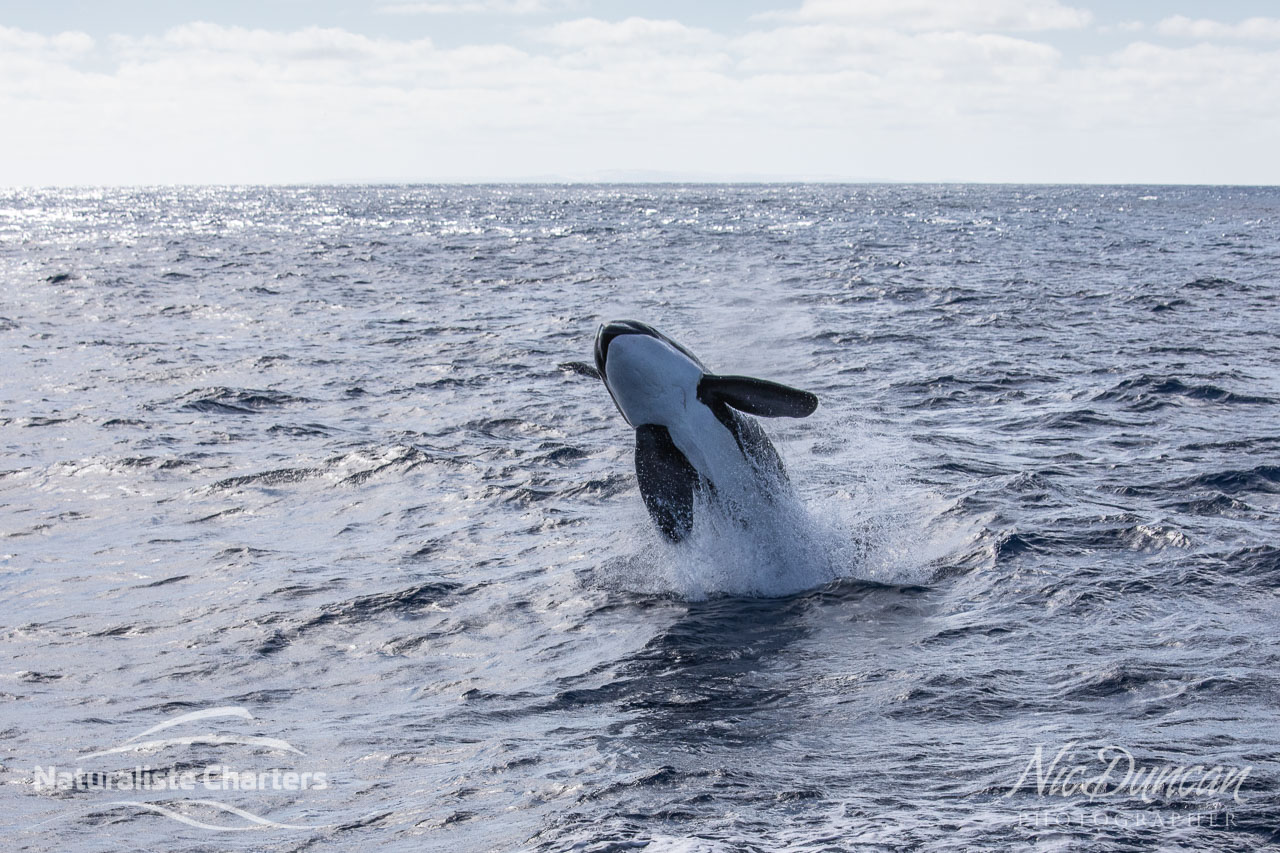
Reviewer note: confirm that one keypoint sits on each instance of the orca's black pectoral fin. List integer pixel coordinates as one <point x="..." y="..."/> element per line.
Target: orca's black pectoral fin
<point x="667" y="481"/>
<point x="757" y="396"/>
<point x="581" y="368"/>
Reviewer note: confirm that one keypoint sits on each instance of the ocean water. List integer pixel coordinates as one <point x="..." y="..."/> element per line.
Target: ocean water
<point x="307" y="480"/>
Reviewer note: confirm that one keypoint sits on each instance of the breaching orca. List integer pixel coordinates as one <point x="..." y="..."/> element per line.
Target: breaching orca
<point x="693" y="428"/>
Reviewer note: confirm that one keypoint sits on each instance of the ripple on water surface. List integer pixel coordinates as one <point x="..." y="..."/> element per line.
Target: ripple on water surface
<point x="332" y="458"/>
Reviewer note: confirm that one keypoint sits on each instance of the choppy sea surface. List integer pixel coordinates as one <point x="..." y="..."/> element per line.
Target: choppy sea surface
<point x="309" y="480"/>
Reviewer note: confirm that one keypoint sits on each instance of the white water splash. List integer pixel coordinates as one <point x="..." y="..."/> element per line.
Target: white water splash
<point x="873" y="526"/>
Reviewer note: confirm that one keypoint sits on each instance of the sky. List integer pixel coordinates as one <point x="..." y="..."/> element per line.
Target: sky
<point x="336" y="91"/>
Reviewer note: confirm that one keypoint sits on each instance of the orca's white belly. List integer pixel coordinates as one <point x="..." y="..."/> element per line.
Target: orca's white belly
<point x="712" y="450"/>
<point x="653" y="383"/>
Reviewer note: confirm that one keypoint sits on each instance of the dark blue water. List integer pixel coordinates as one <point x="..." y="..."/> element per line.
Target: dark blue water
<point x="317" y="461"/>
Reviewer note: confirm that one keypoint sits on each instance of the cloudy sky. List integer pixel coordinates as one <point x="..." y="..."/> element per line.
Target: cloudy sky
<point x="256" y="91"/>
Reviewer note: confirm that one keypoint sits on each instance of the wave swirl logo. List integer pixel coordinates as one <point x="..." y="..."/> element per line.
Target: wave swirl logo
<point x="178" y="777"/>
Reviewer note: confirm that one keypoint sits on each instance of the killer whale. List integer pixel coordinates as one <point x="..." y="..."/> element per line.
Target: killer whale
<point x="694" y="429"/>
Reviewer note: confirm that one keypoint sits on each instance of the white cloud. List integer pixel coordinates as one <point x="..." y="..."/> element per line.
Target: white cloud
<point x="644" y="45"/>
<point x="477" y="7"/>
<point x="310" y="43"/>
<point x="632" y="32"/>
<point x="206" y="102"/>
<point x="1260" y="29"/>
<point x="967" y="15"/>
<point x="67" y="45"/>
<point x="884" y="51"/>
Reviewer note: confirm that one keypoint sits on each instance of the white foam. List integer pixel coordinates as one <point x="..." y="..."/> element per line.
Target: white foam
<point x="868" y="525"/>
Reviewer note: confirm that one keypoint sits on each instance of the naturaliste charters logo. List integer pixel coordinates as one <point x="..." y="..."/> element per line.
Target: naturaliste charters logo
<point x="214" y="777"/>
<point x="1116" y="773"/>
<point x="222" y="778"/>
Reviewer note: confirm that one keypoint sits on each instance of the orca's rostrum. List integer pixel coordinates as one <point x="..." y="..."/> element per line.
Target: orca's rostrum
<point x="693" y="429"/>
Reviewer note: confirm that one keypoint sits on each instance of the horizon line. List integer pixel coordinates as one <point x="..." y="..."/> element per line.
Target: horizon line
<point x="551" y="181"/>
